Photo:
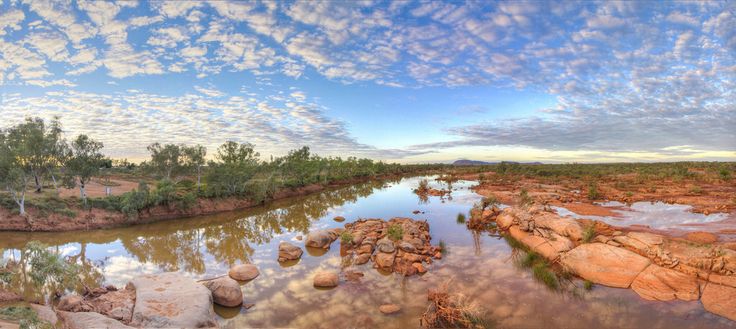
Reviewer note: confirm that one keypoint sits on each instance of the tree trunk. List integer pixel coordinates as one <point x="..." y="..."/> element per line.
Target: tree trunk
<point x="56" y="186"/>
<point x="82" y="192"/>
<point x="38" y="184"/>
<point x="199" y="177"/>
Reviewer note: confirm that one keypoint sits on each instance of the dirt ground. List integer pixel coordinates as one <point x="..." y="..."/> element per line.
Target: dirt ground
<point x="95" y="188"/>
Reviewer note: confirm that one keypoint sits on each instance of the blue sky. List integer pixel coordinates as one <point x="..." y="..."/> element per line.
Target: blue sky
<point x="405" y="81"/>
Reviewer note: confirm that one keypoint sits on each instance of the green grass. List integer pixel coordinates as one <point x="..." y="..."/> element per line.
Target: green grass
<point x="443" y="247"/>
<point x="25" y="316"/>
<point x="395" y="232"/>
<point x="543" y="274"/>
<point x="587" y="285"/>
<point x="588" y="233"/>
<point x="524" y="199"/>
<point x="593" y="193"/>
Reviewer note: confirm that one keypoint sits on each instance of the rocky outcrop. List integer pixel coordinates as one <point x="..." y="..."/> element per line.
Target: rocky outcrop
<point x="87" y="320"/>
<point x="288" y="251"/>
<point x="659" y="283"/>
<point x="404" y="251"/>
<point x="605" y="264"/>
<point x="171" y="300"/>
<point x="719" y="296"/>
<point x="225" y="291"/>
<point x="244" y="272"/>
<point x="321" y="238"/>
<point x="326" y="280"/>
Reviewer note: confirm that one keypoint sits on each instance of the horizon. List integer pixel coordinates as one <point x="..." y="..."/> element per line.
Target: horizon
<point x="404" y="82"/>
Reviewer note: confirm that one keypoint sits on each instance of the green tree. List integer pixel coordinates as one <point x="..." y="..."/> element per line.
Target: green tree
<point x="166" y="160"/>
<point x="236" y="164"/>
<point x="15" y="170"/>
<point x="85" y="162"/>
<point x="38" y="146"/>
<point x="194" y="160"/>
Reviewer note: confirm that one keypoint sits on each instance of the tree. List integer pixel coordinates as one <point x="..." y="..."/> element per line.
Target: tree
<point x="85" y="162"/>
<point x="39" y="146"/>
<point x="194" y="160"/>
<point x="15" y="168"/>
<point x="236" y="164"/>
<point x="166" y="160"/>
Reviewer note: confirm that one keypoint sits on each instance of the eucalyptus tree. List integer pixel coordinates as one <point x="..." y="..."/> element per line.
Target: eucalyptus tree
<point x="236" y="164"/>
<point x="166" y="160"/>
<point x="38" y="147"/>
<point x="15" y="169"/>
<point x="194" y="160"/>
<point x="85" y="162"/>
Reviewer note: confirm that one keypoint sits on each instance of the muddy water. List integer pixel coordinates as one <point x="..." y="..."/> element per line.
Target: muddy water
<point x="479" y="265"/>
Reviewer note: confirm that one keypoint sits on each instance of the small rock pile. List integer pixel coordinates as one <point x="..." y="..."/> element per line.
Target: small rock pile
<point x="404" y="251"/>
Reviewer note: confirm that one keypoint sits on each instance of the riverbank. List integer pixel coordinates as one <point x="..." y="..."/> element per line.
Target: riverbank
<point x="96" y="218"/>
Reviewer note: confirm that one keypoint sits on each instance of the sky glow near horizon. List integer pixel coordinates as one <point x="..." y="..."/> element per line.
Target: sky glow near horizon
<point x="401" y="81"/>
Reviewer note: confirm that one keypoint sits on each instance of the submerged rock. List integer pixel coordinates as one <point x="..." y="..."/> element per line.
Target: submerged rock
<point x="243" y="272"/>
<point x="171" y="300"/>
<point x="321" y="238"/>
<point x="605" y="264"/>
<point x="326" y="279"/>
<point x="225" y="291"/>
<point x="389" y="308"/>
<point x="288" y="251"/>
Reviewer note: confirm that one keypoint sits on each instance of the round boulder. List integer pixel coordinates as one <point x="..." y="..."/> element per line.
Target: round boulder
<point x="244" y="272"/>
<point x="326" y="280"/>
<point x="389" y="308"/>
<point x="339" y="219"/>
<point x="288" y="251"/>
<point x="225" y="291"/>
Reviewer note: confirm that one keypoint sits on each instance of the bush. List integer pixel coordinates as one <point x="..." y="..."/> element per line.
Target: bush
<point x="346" y="238"/>
<point x="725" y="174"/>
<point x="25" y="316"/>
<point x="395" y="232"/>
<point x="588" y="233"/>
<point x="524" y="199"/>
<point x="593" y="193"/>
<point x="443" y="247"/>
<point x="423" y="187"/>
<point x="460" y="218"/>
<point x="489" y="201"/>
<point x="588" y="285"/>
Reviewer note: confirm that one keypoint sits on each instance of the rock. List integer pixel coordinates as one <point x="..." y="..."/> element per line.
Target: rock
<point x="517" y="233"/>
<point x="288" y="251"/>
<point x="365" y="248"/>
<point x="702" y="237"/>
<point x="406" y="246"/>
<point x="74" y="303"/>
<point x="605" y="264"/>
<point x="339" y="219"/>
<point x="563" y="226"/>
<point x="117" y="304"/>
<point x="299" y="237"/>
<point x="44" y="313"/>
<point x="244" y="272"/>
<point x="170" y="300"/>
<point x="389" y="308"/>
<point x="8" y="325"/>
<point x="319" y="239"/>
<point x="225" y="291"/>
<point x="384" y="260"/>
<point x="659" y="283"/>
<point x="326" y="280"/>
<point x="89" y="320"/>
<point x="362" y="259"/>
<point x="385" y="245"/>
<point x="9" y="296"/>
<point x="720" y="299"/>
<point x="420" y="268"/>
<point x="505" y="219"/>
<point x="415" y="212"/>
<point x="647" y="238"/>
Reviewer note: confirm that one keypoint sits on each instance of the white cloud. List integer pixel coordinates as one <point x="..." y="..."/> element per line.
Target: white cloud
<point x="10" y="20"/>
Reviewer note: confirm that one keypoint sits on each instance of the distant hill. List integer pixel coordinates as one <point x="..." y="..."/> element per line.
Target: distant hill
<point x="464" y="162"/>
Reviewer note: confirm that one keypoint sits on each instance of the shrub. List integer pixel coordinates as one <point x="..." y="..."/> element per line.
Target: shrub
<point x="587" y="285"/>
<point x="524" y="199"/>
<point x="725" y="174"/>
<point x="443" y="247"/>
<point x="489" y="201"/>
<point x="588" y="233"/>
<point x="25" y="316"/>
<point x="696" y="190"/>
<point x="423" y="187"/>
<point x="460" y="218"/>
<point x="395" y="232"/>
<point x="593" y="193"/>
<point x="346" y="238"/>
<point x="543" y="274"/>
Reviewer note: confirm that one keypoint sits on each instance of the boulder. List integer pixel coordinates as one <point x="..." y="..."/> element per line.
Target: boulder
<point x="384" y="260"/>
<point x="326" y="279"/>
<point x="44" y="313"/>
<point x="505" y="219"/>
<point x="117" y="304"/>
<point x="244" y="272"/>
<point x="169" y="300"/>
<point x="225" y="291"/>
<point x="389" y="308"/>
<point x="74" y="303"/>
<point x="87" y="320"/>
<point x="362" y="259"/>
<point x="320" y="239"/>
<point x="288" y="251"/>
<point x="406" y="246"/>
<point x="564" y="226"/>
<point x="385" y="245"/>
<point x="659" y="283"/>
<point x="605" y="264"/>
<point x="339" y="219"/>
<point x="720" y="299"/>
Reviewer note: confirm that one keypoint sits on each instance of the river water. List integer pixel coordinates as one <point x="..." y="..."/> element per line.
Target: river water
<point x="479" y="265"/>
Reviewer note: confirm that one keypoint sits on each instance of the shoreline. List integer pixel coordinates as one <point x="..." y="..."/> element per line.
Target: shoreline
<point x="100" y="219"/>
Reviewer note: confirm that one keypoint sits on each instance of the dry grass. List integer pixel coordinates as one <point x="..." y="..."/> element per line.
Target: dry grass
<point x="451" y="310"/>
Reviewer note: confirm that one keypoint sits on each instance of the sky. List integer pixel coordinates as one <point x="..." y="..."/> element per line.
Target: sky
<point x="404" y="81"/>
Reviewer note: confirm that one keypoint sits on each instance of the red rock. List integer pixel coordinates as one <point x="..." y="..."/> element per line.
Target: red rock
<point x="659" y="283"/>
<point x="244" y="272"/>
<point x="389" y="308"/>
<point x="604" y="264"/>
<point x="420" y="268"/>
<point x="326" y="279"/>
<point x="702" y="237"/>
<point x="720" y="299"/>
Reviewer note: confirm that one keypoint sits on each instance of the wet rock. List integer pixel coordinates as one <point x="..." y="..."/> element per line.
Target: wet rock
<point x="288" y="251"/>
<point x="320" y="239"/>
<point x="702" y="237"/>
<point x="326" y="279"/>
<point x="720" y="299"/>
<point x="171" y="300"/>
<point x="389" y="308"/>
<point x="74" y="303"/>
<point x="225" y="291"/>
<point x="87" y="320"/>
<point x="605" y="264"/>
<point x="339" y="219"/>
<point x="243" y="272"/>
<point x="659" y="283"/>
<point x="116" y="304"/>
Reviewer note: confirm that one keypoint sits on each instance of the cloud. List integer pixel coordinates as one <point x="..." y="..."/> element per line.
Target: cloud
<point x="10" y="21"/>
